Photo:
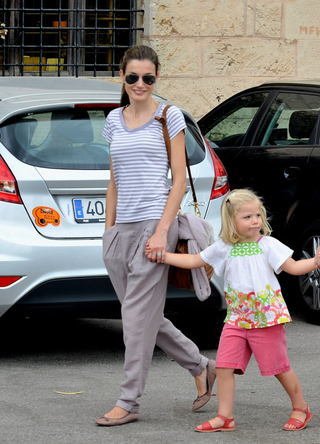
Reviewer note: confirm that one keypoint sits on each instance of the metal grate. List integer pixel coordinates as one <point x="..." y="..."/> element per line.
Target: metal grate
<point x="66" y="37"/>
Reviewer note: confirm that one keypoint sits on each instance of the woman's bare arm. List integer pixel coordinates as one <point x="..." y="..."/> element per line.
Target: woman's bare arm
<point x="111" y="200"/>
<point x="158" y="242"/>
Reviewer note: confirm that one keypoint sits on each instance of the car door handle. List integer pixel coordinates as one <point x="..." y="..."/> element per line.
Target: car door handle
<point x="291" y="173"/>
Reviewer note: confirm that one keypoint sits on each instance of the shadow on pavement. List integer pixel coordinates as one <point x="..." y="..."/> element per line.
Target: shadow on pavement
<point x="59" y="335"/>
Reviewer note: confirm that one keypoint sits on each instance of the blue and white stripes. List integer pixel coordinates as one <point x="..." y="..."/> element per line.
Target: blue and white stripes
<point x="140" y="164"/>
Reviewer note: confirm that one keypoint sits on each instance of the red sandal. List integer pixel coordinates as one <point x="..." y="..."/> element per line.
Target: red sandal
<point x="207" y="427"/>
<point x="298" y="425"/>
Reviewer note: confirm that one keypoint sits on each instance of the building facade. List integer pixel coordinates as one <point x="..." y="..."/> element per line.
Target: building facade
<point x="209" y="49"/>
<point x="66" y="37"/>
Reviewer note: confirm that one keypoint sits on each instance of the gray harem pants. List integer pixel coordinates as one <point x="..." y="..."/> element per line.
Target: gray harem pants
<point x="141" y="287"/>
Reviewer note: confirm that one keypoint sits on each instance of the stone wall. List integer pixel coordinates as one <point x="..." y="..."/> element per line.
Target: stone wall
<point x="211" y="49"/>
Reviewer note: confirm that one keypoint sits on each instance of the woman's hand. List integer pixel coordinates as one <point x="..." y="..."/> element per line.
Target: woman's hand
<point x="156" y="247"/>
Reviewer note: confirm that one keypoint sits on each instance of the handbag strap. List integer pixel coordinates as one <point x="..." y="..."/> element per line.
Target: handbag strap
<point x="163" y="121"/>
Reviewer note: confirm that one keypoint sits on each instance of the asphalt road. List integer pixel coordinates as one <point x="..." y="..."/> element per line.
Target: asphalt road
<point x="38" y="359"/>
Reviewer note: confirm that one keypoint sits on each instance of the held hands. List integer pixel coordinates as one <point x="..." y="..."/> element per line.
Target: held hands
<point x="158" y="257"/>
<point x="156" y="248"/>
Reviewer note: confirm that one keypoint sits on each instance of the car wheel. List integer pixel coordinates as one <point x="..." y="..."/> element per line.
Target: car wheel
<point x="309" y="283"/>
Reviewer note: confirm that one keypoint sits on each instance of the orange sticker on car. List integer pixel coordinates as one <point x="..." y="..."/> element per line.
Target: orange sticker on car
<point x="45" y="216"/>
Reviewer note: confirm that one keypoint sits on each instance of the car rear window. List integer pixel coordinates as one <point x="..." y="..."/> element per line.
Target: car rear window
<point x="71" y="139"/>
<point x="66" y="139"/>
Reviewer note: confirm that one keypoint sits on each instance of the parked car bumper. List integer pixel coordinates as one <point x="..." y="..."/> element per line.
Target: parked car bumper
<point x="67" y="273"/>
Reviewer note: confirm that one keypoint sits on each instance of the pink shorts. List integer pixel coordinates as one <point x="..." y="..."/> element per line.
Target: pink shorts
<point x="268" y="345"/>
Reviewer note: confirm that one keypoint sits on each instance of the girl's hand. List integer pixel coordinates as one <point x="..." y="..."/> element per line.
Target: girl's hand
<point x="148" y="251"/>
<point x="156" y="247"/>
<point x="317" y="258"/>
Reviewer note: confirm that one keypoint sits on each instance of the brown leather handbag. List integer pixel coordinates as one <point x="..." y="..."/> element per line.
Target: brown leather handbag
<point x="181" y="277"/>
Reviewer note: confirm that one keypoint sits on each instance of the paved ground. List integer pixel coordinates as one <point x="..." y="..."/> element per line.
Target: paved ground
<point x="87" y="355"/>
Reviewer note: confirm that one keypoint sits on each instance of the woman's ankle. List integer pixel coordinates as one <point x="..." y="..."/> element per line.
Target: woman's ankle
<point x="116" y="412"/>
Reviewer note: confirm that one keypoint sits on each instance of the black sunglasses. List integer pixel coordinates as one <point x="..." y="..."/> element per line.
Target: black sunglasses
<point x="147" y="79"/>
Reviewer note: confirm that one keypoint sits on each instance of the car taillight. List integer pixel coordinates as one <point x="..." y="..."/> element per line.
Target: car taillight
<point x="220" y="185"/>
<point x="8" y="184"/>
<point x="5" y="281"/>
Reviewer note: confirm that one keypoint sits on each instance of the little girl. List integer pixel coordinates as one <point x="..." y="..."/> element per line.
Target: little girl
<point x="247" y="258"/>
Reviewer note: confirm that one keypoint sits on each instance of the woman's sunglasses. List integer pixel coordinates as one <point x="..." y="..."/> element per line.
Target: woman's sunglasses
<point x="147" y="79"/>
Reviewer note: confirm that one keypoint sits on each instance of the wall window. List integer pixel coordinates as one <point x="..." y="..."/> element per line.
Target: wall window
<point x="66" y="37"/>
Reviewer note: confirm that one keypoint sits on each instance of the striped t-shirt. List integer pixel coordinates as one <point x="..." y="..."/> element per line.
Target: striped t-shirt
<point x="140" y="164"/>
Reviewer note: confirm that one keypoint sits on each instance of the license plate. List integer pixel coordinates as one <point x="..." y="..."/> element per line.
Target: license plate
<point x="91" y="210"/>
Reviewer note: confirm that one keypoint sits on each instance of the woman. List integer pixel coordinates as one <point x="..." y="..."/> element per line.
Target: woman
<point x="141" y="208"/>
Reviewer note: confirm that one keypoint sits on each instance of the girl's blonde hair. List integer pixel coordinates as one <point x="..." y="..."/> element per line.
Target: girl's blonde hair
<point x="229" y="208"/>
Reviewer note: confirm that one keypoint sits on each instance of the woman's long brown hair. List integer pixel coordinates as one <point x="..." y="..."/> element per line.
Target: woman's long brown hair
<point x="139" y="52"/>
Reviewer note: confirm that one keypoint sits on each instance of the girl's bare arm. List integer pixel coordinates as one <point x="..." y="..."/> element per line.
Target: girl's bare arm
<point x="303" y="266"/>
<point x="189" y="261"/>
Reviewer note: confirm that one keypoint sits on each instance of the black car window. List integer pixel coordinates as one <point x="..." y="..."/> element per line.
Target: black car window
<point x="194" y="144"/>
<point x="291" y="120"/>
<point x="227" y="126"/>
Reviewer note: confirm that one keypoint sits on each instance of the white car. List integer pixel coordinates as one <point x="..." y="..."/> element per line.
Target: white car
<point x="54" y="173"/>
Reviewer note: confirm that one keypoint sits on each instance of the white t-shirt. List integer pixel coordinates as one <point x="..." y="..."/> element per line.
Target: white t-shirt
<point x="140" y="163"/>
<point x="252" y="291"/>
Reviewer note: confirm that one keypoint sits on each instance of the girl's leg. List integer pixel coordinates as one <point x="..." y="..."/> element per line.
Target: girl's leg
<point x="226" y="389"/>
<point x="233" y="355"/>
<point x="291" y="384"/>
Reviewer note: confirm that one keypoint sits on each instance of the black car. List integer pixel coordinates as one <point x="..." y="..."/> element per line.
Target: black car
<point x="268" y="138"/>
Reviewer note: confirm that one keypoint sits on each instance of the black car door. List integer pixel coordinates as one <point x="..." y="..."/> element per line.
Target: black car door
<point x="271" y="156"/>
